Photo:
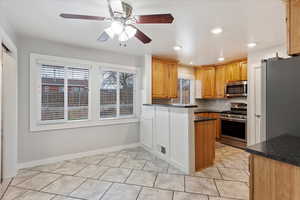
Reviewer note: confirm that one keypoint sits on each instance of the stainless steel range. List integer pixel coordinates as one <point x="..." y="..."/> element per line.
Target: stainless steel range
<point x="234" y="125"/>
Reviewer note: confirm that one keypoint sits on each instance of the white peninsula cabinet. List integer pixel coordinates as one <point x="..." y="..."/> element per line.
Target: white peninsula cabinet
<point x="168" y="132"/>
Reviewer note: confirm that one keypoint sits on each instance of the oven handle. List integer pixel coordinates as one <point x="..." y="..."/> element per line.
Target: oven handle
<point x="234" y="120"/>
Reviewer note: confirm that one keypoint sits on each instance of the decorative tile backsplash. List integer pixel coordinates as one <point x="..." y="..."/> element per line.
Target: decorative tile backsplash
<point x="218" y="104"/>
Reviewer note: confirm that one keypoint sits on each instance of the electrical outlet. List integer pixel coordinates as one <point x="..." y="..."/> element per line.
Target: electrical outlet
<point x="163" y="150"/>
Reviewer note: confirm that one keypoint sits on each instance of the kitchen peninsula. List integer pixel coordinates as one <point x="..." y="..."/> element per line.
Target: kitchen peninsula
<point x="173" y="133"/>
<point x="275" y="169"/>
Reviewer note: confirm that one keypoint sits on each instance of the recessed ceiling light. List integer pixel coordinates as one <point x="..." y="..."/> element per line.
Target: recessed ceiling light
<point x="177" y="48"/>
<point x="191" y="63"/>
<point x="221" y="59"/>
<point x="252" y="45"/>
<point x="217" y="31"/>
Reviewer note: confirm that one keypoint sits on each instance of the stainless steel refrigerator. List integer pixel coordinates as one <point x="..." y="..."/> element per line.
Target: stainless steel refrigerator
<point x="281" y="88"/>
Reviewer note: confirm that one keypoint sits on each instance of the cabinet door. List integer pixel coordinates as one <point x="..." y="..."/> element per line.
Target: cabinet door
<point x="159" y="74"/>
<point x="205" y="139"/>
<point x="233" y="72"/>
<point x="172" y="80"/>
<point x="244" y="71"/>
<point x="293" y="25"/>
<point x="220" y="82"/>
<point x="217" y="123"/>
<point x="209" y="82"/>
<point x="146" y="127"/>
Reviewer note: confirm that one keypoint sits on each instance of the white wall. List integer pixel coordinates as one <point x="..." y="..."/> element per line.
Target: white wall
<point x="41" y="145"/>
<point x="254" y="60"/>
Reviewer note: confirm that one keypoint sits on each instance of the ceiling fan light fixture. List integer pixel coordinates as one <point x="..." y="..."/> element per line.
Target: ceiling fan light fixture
<point x="110" y="32"/>
<point x="130" y="31"/>
<point x="117" y="27"/>
<point x="123" y="37"/>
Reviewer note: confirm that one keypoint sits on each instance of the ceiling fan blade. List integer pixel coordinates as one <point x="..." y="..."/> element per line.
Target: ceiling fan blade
<point x="142" y="36"/>
<point x="86" y="17"/>
<point x="155" y="19"/>
<point x="111" y="12"/>
<point x="103" y="37"/>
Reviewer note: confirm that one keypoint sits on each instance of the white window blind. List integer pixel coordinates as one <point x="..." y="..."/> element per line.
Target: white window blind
<point x="78" y="93"/>
<point x="126" y="93"/>
<point x="65" y="93"/>
<point x="117" y="94"/>
<point x="52" y="80"/>
<point x="108" y="94"/>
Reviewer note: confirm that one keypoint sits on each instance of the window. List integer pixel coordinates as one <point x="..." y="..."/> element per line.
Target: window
<point x="116" y="94"/>
<point x="78" y="94"/>
<point x="184" y="92"/>
<point x="71" y="93"/>
<point x="53" y="94"/>
<point x="65" y="93"/>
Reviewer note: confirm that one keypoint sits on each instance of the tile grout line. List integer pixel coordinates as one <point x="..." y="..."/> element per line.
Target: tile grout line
<point x="6" y="188"/>
<point x="69" y="194"/>
<point x="104" y="193"/>
<point x="25" y="179"/>
<point x="137" y="197"/>
<point x="60" y="176"/>
<point x="217" y="187"/>
<point x="131" y="171"/>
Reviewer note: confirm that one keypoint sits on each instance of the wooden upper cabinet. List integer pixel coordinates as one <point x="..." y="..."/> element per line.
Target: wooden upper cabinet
<point x="220" y="81"/>
<point x="158" y="79"/>
<point x="173" y="80"/>
<point x="215" y="78"/>
<point x="164" y="79"/>
<point x="244" y="70"/>
<point x="293" y="26"/>
<point x="233" y="72"/>
<point x="207" y="77"/>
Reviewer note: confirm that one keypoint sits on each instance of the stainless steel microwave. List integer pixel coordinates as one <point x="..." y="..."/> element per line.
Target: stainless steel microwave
<point x="236" y="89"/>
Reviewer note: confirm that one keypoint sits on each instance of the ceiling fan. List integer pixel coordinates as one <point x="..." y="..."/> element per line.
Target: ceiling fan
<point x="123" y="22"/>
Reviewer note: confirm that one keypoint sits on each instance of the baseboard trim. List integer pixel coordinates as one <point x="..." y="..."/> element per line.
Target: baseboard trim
<point x="74" y="156"/>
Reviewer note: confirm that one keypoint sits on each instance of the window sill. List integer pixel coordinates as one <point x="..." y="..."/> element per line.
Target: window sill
<point x="82" y="124"/>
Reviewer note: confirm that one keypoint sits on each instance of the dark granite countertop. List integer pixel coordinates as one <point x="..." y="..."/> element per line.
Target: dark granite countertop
<point x="203" y="119"/>
<point x="285" y="148"/>
<point x="206" y="111"/>
<point x="173" y="105"/>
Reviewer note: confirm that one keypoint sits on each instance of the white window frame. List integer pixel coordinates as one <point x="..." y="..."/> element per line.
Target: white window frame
<point x="36" y="60"/>
<point x="118" y="70"/>
<point x="39" y="103"/>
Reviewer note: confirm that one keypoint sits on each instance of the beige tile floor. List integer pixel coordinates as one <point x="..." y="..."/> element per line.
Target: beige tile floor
<point x="133" y="174"/>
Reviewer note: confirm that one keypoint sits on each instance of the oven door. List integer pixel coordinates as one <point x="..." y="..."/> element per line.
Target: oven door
<point x="234" y="129"/>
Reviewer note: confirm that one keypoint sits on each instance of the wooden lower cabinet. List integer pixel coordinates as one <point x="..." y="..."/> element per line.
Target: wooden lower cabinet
<point x="217" y="123"/>
<point x="205" y="138"/>
<point x="217" y="116"/>
<point x="273" y="180"/>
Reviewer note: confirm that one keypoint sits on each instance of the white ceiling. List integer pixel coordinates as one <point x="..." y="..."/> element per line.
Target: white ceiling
<point x="243" y="21"/>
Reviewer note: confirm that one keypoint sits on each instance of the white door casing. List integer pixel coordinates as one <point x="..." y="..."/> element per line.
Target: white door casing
<point x="1" y="132"/>
<point x="9" y="116"/>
